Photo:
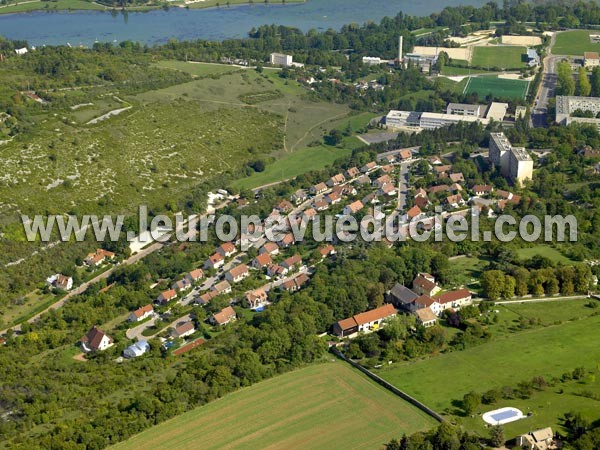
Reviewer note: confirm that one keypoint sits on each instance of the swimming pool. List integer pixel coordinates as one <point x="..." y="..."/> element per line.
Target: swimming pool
<point x="502" y="416"/>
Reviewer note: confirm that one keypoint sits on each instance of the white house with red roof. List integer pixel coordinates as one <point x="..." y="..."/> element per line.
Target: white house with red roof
<point x="141" y="313"/>
<point x="96" y="340"/>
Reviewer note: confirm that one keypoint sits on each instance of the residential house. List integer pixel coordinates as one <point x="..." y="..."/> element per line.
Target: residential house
<point x="292" y="262"/>
<point x="224" y="316"/>
<point x="275" y="270"/>
<point x="318" y="188"/>
<point x="401" y="297"/>
<point x="387" y="189"/>
<point x="309" y="213"/>
<point x="414" y="213"/>
<point x="542" y="439"/>
<point x="353" y="207"/>
<point x="296" y="283"/>
<point x="352" y="172"/>
<point x="137" y="349"/>
<point x="141" y="313"/>
<point x="227" y="249"/>
<point x="442" y="171"/>
<point x="420" y="193"/>
<point x="181" y="285"/>
<point x="166" y="296"/>
<point x="437" y="189"/>
<point x="370" y="198"/>
<point x="335" y="180"/>
<point x="384" y="179"/>
<point x="205" y="298"/>
<point x="270" y="248"/>
<point x="237" y="273"/>
<point x="194" y="276"/>
<point x="388" y="168"/>
<point x="63" y="282"/>
<point x="365" y="322"/>
<point x="422" y="202"/>
<point x="405" y="155"/>
<point x="321" y="204"/>
<point x="183" y="330"/>
<point x="288" y="240"/>
<point x="214" y="261"/>
<point x="435" y="160"/>
<point x="98" y="257"/>
<point x="363" y="179"/>
<point x="344" y="189"/>
<point x="455" y="201"/>
<point x="454" y="299"/>
<point x="95" y="340"/>
<point x="326" y="250"/>
<point x="333" y="198"/>
<point x="457" y="177"/>
<point x="262" y="260"/>
<point x="425" y="317"/>
<point x="370" y="166"/>
<point x="299" y="196"/>
<point x="256" y="298"/>
<point x="221" y="288"/>
<point x="424" y="284"/>
<point x="425" y="301"/>
<point x="482" y="189"/>
<point x="284" y="207"/>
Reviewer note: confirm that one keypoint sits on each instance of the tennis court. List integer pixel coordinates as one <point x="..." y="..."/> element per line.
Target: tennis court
<point x="499" y="88"/>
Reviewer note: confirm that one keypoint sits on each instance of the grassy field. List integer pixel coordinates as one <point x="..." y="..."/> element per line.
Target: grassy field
<point x="457" y="71"/>
<point x="451" y="85"/>
<point x="198" y="69"/>
<point x="327" y="405"/>
<point x="574" y="43"/>
<point x="170" y="140"/>
<point x="468" y="271"/>
<point x="496" y="87"/>
<point x="58" y="5"/>
<point x="441" y="381"/>
<point x="543" y="250"/>
<point x="503" y="57"/>
<point x="292" y="164"/>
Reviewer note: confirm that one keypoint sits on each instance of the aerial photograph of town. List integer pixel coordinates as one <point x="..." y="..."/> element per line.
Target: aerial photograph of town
<point x="299" y="224"/>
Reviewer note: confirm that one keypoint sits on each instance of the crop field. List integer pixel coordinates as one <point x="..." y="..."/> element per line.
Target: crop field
<point x="328" y="405"/>
<point x="506" y="360"/>
<point x="502" y="57"/>
<point x="496" y="87"/>
<point x="575" y="43"/>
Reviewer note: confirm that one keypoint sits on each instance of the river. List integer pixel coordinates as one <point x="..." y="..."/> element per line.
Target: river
<point x="158" y="26"/>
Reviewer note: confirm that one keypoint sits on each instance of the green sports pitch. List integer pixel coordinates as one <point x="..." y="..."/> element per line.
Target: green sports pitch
<point x="496" y="87"/>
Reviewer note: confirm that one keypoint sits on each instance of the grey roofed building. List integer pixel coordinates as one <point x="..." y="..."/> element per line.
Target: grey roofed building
<point x="137" y="349"/>
<point x="401" y="296"/>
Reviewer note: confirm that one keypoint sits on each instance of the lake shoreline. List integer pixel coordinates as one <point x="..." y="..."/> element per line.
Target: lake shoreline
<point x="30" y="6"/>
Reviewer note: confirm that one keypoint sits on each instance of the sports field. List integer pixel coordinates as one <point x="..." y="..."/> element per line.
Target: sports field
<point x="502" y="57"/>
<point x="496" y="87"/>
<point x="575" y="43"/>
<point x="328" y="405"/>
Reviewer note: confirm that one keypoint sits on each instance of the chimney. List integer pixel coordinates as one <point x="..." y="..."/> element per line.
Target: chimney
<point x="400" y="39"/>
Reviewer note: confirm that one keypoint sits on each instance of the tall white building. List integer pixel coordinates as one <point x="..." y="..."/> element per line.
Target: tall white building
<point x="280" y="59"/>
<point x="514" y="162"/>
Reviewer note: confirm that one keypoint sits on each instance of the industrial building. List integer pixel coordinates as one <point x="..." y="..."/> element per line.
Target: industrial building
<point x="455" y="113"/>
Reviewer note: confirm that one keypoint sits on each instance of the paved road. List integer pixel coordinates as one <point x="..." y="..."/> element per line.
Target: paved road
<point x="546" y="88"/>
<point x="403" y="185"/>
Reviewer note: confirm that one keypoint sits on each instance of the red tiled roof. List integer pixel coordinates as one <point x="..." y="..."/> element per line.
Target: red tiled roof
<point x="452" y="296"/>
<point x="382" y="312"/>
